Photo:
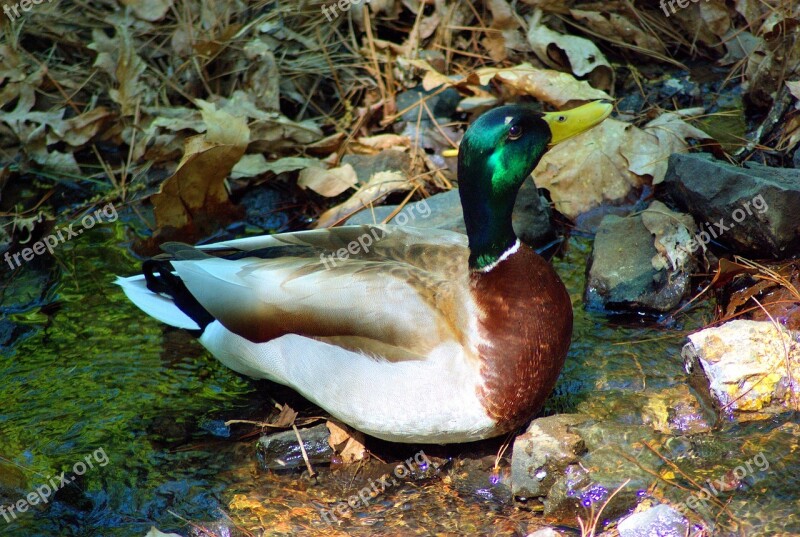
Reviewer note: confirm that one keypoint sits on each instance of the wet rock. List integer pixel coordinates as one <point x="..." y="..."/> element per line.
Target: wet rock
<point x="572" y="463"/>
<point x="543" y="452"/>
<point x="642" y="262"/>
<point x="480" y="479"/>
<point x="661" y="521"/>
<point x="531" y="217"/>
<point x="616" y="461"/>
<point x="749" y="369"/>
<point x="387" y="160"/>
<point x="441" y="211"/>
<point x="281" y="451"/>
<point x="264" y="208"/>
<point x="751" y="210"/>
<point x="442" y="104"/>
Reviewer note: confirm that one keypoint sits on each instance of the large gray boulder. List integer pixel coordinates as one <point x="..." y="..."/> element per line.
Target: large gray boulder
<point x="752" y="210"/>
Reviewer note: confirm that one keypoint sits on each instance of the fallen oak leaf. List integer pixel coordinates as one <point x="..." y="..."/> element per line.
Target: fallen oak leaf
<point x="328" y="183"/>
<point x="195" y="193"/>
<point x="549" y="86"/>
<point x="569" y="52"/>
<point x="379" y="186"/>
<point x="256" y="164"/>
<point x="347" y="442"/>
<point x="612" y="159"/>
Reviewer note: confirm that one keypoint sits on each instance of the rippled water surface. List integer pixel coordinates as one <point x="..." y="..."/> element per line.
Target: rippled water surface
<point x="86" y="377"/>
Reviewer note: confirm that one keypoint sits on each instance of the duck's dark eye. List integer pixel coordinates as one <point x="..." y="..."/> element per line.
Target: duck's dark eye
<point x="515" y="132"/>
<point x="562" y="119"/>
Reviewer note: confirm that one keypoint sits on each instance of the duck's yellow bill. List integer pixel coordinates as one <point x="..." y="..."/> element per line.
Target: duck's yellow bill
<point x="566" y="124"/>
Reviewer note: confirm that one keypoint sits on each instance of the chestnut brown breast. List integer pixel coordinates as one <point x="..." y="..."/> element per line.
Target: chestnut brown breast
<point x="527" y="315"/>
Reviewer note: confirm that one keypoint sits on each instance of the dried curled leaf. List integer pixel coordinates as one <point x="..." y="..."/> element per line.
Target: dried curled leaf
<point x="328" y="183"/>
<point x="346" y="442"/>
<point x="570" y="53"/>
<point x="379" y="186"/>
<point x="610" y="160"/>
<point x="118" y="58"/>
<point x="552" y="87"/>
<point x="197" y="188"/>
<point x="618" y="27"/>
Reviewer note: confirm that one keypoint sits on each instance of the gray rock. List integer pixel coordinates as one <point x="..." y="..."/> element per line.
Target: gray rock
<point x="543" y="452"/>
<point x="615" y="460"/>
<point x="443" y="104"/>
<point x="757" y="206"/>
<point x="642" y="262"/>
<point x="281" y="451"/>
<point x="741" y="367"/>
<point x="571" y="462"/>
<point x="479" y="478"/>
<point x="387" y="160"/>
<point x="659" y="521"/>
<point x="531" y="216"/>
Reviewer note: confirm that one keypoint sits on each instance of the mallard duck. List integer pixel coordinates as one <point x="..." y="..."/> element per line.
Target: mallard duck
<point x="409" y="335"/>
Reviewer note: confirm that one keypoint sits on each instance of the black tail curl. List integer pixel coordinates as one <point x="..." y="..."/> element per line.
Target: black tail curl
<point x="161" y="279"/>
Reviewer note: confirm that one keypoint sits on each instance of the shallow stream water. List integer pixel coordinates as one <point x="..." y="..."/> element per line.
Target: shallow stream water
<point x="87" y="378"/>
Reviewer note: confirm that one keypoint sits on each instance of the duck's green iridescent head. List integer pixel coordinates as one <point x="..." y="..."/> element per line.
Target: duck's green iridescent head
<point x="498" y="152"/>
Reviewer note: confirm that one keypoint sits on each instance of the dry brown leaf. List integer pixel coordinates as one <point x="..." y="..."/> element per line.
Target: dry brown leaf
<point x="197" y="188"/>
<point x="607" y="162"/>
<point x="55" y="160"/>
<point x="379" y="186"/>
<point x="285" y="417"/>
<point x="347" y="442"/>
<point x="552" y="87"/>
<point x="618" y="27"/>
<point x="118" y="58"/>
<point x="380" y="142"/>
<point x="80" y="129"/>
<point x="569" y="53"/>
<point x="262" y="79"/>
<point x="751" y="10"/>
<point x="671" y="133"/>
<point x="506" y="34"/>
<point x="587" y="170"/>
<point x="328" y="183"/>
<point x="715" y="15"/>
<point x="252" y="165"/>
